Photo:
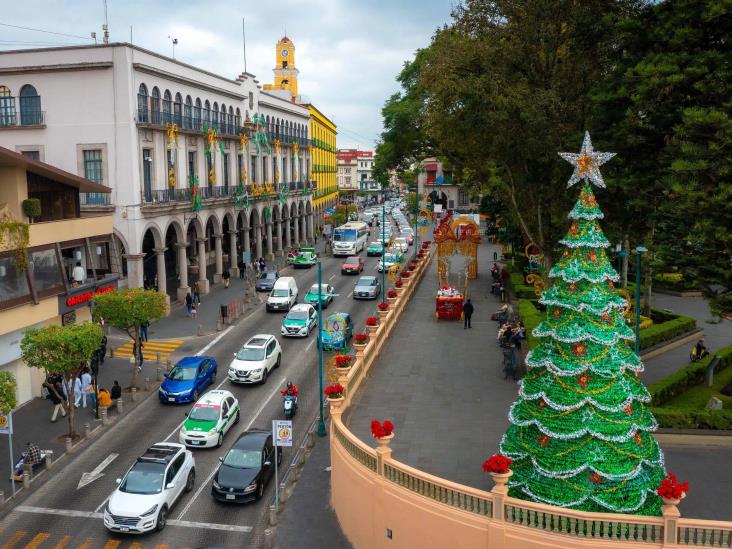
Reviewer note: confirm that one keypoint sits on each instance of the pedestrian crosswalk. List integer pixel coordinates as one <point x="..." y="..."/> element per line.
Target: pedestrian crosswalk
<point x="150" y="349"/>
<point x="22" y="539"/>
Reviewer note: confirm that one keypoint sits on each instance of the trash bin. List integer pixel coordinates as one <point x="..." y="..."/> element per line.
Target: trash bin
<point x="224" y="311"/>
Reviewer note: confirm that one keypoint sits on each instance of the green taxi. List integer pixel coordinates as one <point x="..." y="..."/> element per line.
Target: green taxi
<point x="299" y="321"/>
<point x="306" y="257"/>
<point x="326" y="295"/>
<point x="209" y="420"/>
<point x="375" y="249"/>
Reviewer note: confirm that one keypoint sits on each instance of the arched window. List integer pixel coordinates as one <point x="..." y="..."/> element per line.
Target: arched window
<point x="30" y="106"/>
<point x="222" y="124"/>
<point x="215" y="115"/>
<point x="142" y="110"/>
<point x="277" y="129"/>
<point x="197" y="114"/>
<point x="237" y="120"/>
<point x="155" y="105"/>
<point x="230" y="121"/>
<point x="177" y="109"/>
<point x="7" y="107"/>
<point x="188" y="112"/>
<point x="167" y="107"/>
<point x="207" y="113"/>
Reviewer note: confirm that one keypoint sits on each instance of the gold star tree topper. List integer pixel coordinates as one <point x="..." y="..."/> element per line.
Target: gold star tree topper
<point x="587" y="164"/>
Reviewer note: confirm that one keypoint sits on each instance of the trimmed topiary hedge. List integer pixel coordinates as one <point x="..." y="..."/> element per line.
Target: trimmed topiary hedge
<point x="658" y="333"/>
<point x="687" y="418"/>
<point x="689" y="376"/>
<point x="531" y="317"/>
<point x="519" y="288"/>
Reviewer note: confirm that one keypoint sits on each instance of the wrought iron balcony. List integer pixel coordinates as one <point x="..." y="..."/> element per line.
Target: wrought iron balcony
<point x="95" y="199"/>
<point x="20" y="119"/>
<point x="192" y="123"/>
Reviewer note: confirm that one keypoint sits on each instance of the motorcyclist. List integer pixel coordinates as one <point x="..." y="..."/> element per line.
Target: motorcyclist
<point x="290" y="390"/>
<point x="699" y="350"/>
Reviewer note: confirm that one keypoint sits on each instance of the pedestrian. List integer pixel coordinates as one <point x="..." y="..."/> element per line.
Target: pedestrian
<point x="105" y="399"/>
<point x="102" y="353"/>
<point x="55" y="395"/>
<point x="196" y="293"/>
<point x="194" y="311"/>
<point x="262" y="265"/>
<point x="78" y="274"/>
<point x="467" y="313"/>
<point x="143" y="330"/>
<point x="189" y="303"/>
<point x="242" y="269"/>
<point x="92" y="392"/>
<point x="137" y="353"/>
<point x="502" y="293"/>
<point x="116" y="392"/>
<point x="255" y="265"/>
<point x="226" y="275"/>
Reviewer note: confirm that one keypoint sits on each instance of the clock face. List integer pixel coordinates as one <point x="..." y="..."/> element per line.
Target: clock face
<point x="285" y="53"/>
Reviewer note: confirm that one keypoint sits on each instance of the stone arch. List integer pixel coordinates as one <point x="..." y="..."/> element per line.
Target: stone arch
<point x="151" y="242"/>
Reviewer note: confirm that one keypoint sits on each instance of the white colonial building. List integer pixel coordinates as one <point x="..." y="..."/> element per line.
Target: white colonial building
<point x="136" y="122"/>
<point x="435" y="181"/>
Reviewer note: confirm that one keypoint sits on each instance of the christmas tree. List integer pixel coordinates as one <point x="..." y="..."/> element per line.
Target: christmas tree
<point x="581" y="430"/>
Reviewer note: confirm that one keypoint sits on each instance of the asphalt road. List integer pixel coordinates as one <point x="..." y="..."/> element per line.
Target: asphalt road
<point x="61" y="516"/>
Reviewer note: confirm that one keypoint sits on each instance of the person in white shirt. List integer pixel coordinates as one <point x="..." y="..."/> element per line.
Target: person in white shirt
<point x="81" y="389"/>
<point x="78" y="274"/>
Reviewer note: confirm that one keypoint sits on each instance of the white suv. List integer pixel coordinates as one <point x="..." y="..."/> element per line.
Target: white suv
<point x="150" y="488"/>
<point x="255" y="360"/>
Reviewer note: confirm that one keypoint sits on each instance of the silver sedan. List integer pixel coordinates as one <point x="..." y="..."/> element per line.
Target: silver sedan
<point x="367" y="287"/>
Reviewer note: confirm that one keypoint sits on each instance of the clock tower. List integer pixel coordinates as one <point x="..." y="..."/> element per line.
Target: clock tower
<point x="285" y="72"/>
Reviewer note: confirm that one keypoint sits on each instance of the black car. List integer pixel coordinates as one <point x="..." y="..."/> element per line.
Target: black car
<point x="265" y="281"/>
<point x="246" y="468"/>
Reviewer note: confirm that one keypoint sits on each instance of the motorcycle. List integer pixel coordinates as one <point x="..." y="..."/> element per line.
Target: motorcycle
<point x="289" y="405"/>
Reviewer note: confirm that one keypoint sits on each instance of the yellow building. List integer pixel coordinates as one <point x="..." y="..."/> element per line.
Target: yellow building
<point x="323" y="165"/>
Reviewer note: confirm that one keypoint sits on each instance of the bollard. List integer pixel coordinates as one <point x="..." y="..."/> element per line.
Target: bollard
<point x="218" y="324"/>
<point x="284" y="493"/>
<point x="157" y="358"/>
<point x="111" y="352"/>
<point x="103" y="414"/>
<point x="49" y="459"/>
<point x="272" y="515"/>
<point x="27" y="473"/>
<point x="87" y="430"/>
<point x="200" y="330"/>
<point x="310" y="440"/>
<point x="68" y="445"/>
<point x="119" y="404"/>
<point x="147" y="384"/>
<point x="159" y="374"/>
<point x="168" y="365"/>
<point x="268" y="538"/>
<point x="134" y="393"/>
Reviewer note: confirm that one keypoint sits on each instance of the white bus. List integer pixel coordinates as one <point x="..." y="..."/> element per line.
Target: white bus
<point x="351" y="238"/>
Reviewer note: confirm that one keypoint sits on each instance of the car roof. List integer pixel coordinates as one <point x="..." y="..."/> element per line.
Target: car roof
<point x="251" y="439"/>
<point x="214" y="397"/>
<point x="315" y="287"/>
<point x="191" y="361"/>
<point x="301" y="307"/>
<point x="160" y="453"/>
<point x="259" y="340"/>
<point x="369" y="278"/>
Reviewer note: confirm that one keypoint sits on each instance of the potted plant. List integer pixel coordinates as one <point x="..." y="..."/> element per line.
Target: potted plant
<point x="398" y="284"/>
<point x="391" y="296"/>
<point x="499" y="468"/>
<point x="335" y="392"/>
<point x="360" y="340"/>
<point x="343" y="362"/>
<point x="31" y="208"/>
<point x="405" y="273"/>
<point x="382" y="432"/>
<point x="372" y="324"/>
<point x="671" y="490"/>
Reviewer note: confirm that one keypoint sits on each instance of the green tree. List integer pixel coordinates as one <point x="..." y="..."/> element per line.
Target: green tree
<point x="8" y="397"/>
<point x="64" y="350"/>
<point x="127" y="309"/>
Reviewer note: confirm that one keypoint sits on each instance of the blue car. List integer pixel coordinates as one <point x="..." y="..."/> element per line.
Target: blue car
<point x="337" y="330"/>
<point x="188" y="379"/>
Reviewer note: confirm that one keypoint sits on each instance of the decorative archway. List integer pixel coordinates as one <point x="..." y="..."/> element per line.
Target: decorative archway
<point x="457" y="235"/>
<point x="176" y="264"/>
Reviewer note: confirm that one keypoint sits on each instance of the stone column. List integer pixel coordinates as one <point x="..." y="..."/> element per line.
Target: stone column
<point x="269" y="256"/>
<point x="245" y="239"/>
<point x="202" y="280"/>
<point x="135" y="271"/>
<point x="309" y="222"/>
<point x="278" y="251"/>
<point x="303" y="235"/>
<point x="258" y="241"/>
<point x="297" y="231"/>
<point x="286" y="230"/>
<point x="219" y="258"/>
<point x="183" y="287"/>
<point x="162" y="275"/>
<point x="233" y="259"/>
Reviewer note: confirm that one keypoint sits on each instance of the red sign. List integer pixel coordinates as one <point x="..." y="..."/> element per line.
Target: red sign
<point x="88" y="296"/>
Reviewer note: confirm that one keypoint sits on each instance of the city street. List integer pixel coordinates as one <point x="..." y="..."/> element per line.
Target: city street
<point x="60" y="515"/>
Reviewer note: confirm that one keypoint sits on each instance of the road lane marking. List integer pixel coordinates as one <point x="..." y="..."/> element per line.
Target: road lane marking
<point x="88" y="478"/>
<point x="331" y="278"/>
<point x="19" y="535"/>
<point x="37" y="540"/>
<point x="87" y="544"/>
<point x="63" y="542"/>
<point x="112" y="544"/>
<point x="215" y="340"/>
<point x="204" y="484"/>
<point x="312" y="342"/>
<point x="350" y="294"/>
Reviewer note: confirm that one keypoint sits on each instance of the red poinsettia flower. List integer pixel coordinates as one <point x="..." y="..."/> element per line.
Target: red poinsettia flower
<point x="383" y="306"/>
<point x="579" y="349"/>
<point x="497" y="464"/>
<point x="671" y="488"/>
<point x="372" y="321"/>
<point x="361" y="338"/>
<point x="380" y="430"/>
<point x="405" y="274"/>
<point x="398" y="283"/>
<point x="343" y="361"/>
<point x="334" y="390"/>
<point x="391" y="293"/>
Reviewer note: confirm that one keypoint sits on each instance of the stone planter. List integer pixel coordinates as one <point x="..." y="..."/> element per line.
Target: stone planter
<point x="673" y="501"/>
<point x="500" y="479"/>
<point x="359" y="347"/>
<point x="384" y="441"/>
<point x="372" y="329"/>
<point x="383" y="314"/>
<point x="342" y="372"/>
<point x="391" y="301"/>
<point x="399" y="290"/>
<point x="336" y="403"/>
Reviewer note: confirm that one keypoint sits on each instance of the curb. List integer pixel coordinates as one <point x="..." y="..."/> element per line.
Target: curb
<point x="666" y="346"/>
<point x="684" y="438"/>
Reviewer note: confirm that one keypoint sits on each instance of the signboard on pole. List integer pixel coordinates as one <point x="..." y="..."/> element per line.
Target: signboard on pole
<point x="246" y="257"/>
<point x="282" y="432"/>
<point x="6" y="424"/>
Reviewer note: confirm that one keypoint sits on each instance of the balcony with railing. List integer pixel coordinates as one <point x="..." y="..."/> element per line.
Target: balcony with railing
<point x="24" y="119"/>
<point x="193" y="123"/>
<point x="173" y="196"/>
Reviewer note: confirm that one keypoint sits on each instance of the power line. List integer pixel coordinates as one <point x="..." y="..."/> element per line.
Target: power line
<point x="42" y="30"/>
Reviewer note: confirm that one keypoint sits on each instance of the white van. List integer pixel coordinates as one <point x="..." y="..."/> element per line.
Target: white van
<point x="283" y="294"/>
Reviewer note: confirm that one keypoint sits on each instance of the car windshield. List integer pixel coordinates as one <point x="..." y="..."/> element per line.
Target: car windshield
<point x="344" y="235"/>
<point x="323" y="289"/>
<point x="243" y="459"/>
<point x="204" y="413"/>
<point x="352" y="261"/>
<point x="281" y="292"/>
<point x="144" y="478"/>
<point x="376" y="244"/>
<point x="297" y="315"/>
<point x="267" y="276"/>
<point x="180" y="373"/>
<point x="251" y="353"/>
<point x="366" y="282"/>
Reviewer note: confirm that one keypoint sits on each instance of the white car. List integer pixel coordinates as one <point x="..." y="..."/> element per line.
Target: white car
<point x="210" y="419"/>
<point x="150" y="488"/>
<point x="400" y="243"/>
<point x="256" y="359"/>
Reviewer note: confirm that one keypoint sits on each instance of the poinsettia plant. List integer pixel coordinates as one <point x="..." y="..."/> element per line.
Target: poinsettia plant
<point x="372" y="321"/>
<point x="405" y="273"/>
<point x="383" y="306"/>
<point x="343" y="361"/>
<point x="381" y="430"/>
<point x="334" y="390"/>
<point x="671" y="488"/>
<point x="426" y="244"/>
<point x="361" y="339"/>
<point x="497" y="464"/>
<point x="398" y="283"/>
<point x="391" y="293"/>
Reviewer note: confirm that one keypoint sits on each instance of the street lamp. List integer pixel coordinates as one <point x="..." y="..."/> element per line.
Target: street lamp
<point x="383" y="248"/>
<point x="638" y="251"/>
<point x="321" y="421"/>
<point x="621" y="253"/>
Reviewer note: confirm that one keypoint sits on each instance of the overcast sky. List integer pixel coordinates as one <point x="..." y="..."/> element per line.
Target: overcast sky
<point x="348" y="52"/>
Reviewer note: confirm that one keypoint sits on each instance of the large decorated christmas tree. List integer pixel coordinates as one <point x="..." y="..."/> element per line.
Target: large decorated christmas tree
<point x="581" y="430"/>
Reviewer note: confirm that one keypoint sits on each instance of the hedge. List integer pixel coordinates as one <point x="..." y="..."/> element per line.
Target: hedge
<point x="688" y="418"/>
<point x="689" y="376"/>
<point x="519" y="288"/>
<point x="658" y="333"/>
<point x="531" y="317"/>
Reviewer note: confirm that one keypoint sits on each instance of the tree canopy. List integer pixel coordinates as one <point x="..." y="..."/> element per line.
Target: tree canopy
<point x="8" y="397"/>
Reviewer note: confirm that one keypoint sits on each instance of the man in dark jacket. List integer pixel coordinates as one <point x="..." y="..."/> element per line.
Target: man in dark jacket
<point x="116" y="392"/>
<point x="467" y="313"/>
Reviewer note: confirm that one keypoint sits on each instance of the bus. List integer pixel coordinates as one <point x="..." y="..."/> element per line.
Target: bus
<point x="351" y="238"/>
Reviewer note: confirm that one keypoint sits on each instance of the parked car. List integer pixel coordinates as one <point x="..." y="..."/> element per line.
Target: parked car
<point x="255" y="360"/>
<point x="299" y="321"/>
<point x="326" y="295"/>
<point x="209" y="420"/>
<point x="266" y="281"/>
<point x="352" y="265"/>
<point x="337" y="331"/>
<point x="246" y="469"/>
<point x="283" y="294"/>
<point x="150" y="488"/>
<point x="375" y="249"/>
<point x="367" y="287"/>
<point x="188" y="378"/>
<point x="400" y="244"/>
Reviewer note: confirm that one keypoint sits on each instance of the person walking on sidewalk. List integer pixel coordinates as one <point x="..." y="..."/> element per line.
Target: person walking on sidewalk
<point x="143" y="330"/>
<point x="116" y="392"/>
<point x="137" y="353"/>
<point x="196" y="293"/>
<point x="226" y="275"/>
<point x="262" y="265"/>
<point x="189" y="303"/>
<point x="102" y="352"/>
<point x="55" y="395"/>
<point x="467" y="313"/>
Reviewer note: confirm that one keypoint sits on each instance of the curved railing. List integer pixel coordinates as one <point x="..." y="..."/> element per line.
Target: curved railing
<point x="373" y="493"/>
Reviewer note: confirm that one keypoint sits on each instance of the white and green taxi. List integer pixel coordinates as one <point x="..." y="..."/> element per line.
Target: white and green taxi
<point x="299" y="321"/>
<point x="209" y="420"/>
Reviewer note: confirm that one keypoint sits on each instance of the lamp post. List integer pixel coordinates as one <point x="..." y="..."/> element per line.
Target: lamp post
<point x="621" y="253"/>
<point x="321" y="421"/>
<point x="383" y="248"/>
<point x="416" y="218"/>
<point x="638" y="251"/>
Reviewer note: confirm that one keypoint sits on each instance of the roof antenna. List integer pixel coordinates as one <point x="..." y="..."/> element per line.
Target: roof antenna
<point x="244" y="43"/>
<point x="105" y="27"/>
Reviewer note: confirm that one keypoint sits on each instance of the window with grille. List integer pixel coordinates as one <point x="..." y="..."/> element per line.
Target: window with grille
<point x="93" y="165"/>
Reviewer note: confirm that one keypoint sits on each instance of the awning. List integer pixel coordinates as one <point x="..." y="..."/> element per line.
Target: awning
<point x="330" y="211"/>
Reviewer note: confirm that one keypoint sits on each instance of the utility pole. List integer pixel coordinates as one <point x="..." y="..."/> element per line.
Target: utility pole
<point x="321" y="422"/>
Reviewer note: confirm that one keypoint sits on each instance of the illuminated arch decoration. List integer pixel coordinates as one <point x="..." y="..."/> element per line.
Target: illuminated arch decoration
<point x="460" y="235"/>
<point x="335" y="326"/>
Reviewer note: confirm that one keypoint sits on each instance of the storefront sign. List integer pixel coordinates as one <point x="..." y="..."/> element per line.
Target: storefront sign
<point x="68" y="318"/>
<point x="79" y="297"/>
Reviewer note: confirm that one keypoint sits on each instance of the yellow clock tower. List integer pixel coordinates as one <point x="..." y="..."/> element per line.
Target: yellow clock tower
<point x="285" y="72"/>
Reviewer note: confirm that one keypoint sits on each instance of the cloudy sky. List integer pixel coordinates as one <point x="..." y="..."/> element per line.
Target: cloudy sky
<point x="348" y="52"/>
